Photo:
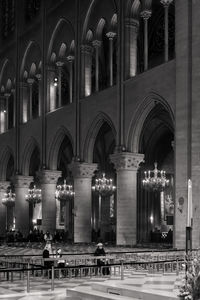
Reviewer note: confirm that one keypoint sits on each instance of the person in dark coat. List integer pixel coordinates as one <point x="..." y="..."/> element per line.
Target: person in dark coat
<point x="100" y="262"/>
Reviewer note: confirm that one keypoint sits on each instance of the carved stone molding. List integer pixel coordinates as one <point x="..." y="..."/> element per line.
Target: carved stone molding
<point x="111" y="35"/>
<point x="4" y="185"/>
<point x="132" y="23"/>
<point x="126" y="160"/>
<point x="96" y="43"/>
<point x="21" y="181"/>
<point x="49" y="176"/>
<point x="82" y="170"/>
<point x="87" y="49"/>
<point x="146" y="14"/>
<point x="166" y="3"/>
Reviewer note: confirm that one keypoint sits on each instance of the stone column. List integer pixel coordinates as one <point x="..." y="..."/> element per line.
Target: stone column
<point x="126" y="165"/>
<point x="30" y="83"/>
<point x="131" y="33"/>
<point x="70" y="59"/>
<point x="39" y="78"/>
<point x="86" y="61"/>
<point x="7" y="95"/>
<point x="97" y="45"/>
<point x="3" y="114"/>
<point x="146" y="14"/>
<point x="59" y="65"/>
<point x="48" y="179"/>
<point x="82" y="173"/>
<point x="51" y="88"/>
<point x="24" y="101"/>
<point x="3" y="209"/>
<point x="14" y="105"/>
<point x="111" y="36"/>
<point x="183" y="141"/>
<point x="166" y="4"/>
<point x="21" y="205"/>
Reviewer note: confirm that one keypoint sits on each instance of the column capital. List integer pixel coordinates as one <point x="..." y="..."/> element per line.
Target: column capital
<point x="146" y="14"/>
<point x="80" y="170"/>
<point x="4" y="185"/>
<point x="111" y="35"/>
<point x="30" y="81"/>
<point x="70" y="58"/>
<point x="7" y="95"/>
<point x="23" y="84"/>
<point x="49" y="176"/>
<point x="12" y="90"/>
<point x="97" y="43"/>
<point x="132" y="23"/>
<point x="51" y="68"/>
<point x="86" y="49"/>
<point x="38" y="76"/>
<point x="166" y="3"/>
<point x="21" y="181"/>
<point x="59" y="64"/>
<point x="127" y="160"/>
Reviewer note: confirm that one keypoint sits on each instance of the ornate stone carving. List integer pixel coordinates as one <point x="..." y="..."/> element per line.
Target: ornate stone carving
<point x="49" y="176"/>
<point x="4" y="185"/>
<point x="70" y="58"/>
<point x="21" y="181"/>
<point x="126" y="160"/>
<point x="166" y="3"/>
<point x="132" y="23"/>
<point x="111" y="35"/>
<point x="80" y="170"/>
<point x="146" y="14"/>
<point x="96" y="43"/>
<point x="87" y="49"/>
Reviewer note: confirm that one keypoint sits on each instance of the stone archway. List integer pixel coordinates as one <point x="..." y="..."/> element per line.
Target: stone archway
<point x="152" y="135"/>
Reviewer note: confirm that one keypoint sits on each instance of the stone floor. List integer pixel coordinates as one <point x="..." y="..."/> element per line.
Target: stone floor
<point x="136" y="285"/>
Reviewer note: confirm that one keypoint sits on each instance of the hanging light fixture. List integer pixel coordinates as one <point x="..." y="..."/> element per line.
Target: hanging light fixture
<point x="64" y="191"/>
<point x="34" y="195"/>
<point x="104" y="186"/>
<point x="9" y="198"/>
<point x="155" y="179"/>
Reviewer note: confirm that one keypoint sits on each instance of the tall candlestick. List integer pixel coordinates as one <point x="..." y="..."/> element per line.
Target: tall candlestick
<point x="189" y="206"/>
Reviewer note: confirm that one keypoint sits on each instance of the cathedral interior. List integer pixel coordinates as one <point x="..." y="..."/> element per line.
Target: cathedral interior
<point x="98" y="89"/>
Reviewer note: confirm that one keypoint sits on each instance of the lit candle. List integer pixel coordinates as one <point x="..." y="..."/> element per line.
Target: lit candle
<point x="189" y="206"/>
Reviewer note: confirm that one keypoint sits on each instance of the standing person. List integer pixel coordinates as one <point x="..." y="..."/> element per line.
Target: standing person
<point x="100" y="262"/>
<point x="61" y="262"/>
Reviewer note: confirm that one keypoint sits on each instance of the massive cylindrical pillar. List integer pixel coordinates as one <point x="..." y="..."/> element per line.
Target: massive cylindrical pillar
<point x="126" y="165"/>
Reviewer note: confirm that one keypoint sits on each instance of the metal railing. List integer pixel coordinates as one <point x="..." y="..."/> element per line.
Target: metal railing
<point x="28" y="271"/>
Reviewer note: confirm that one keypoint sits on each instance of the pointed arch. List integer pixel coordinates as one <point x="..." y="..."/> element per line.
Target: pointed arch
<point x="140" y="116"/>
<point x="62" y="51"/>
<point x="33" y="50"/>
<point x="3" y="69"/>
<point x="28" y="150"/>
<point x="89" y="36"/>
<point x="55" y="146"/>
<point x="69" y="34"/>
<point x="92" y="134"/>
<point x="112" y="8"/>
<point x="8" y="85"/>
<point x="99" y="29"/>
<point x="4" y="159"/>
<point x="133" y="9"/>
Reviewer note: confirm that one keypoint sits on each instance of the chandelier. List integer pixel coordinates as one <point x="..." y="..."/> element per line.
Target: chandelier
<point x="34" y="195"/>
<point x="64" y="191"/>
<point x="104" y="186"/>
<point x="155" y="179"/>
<point x="9" y="198"/>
